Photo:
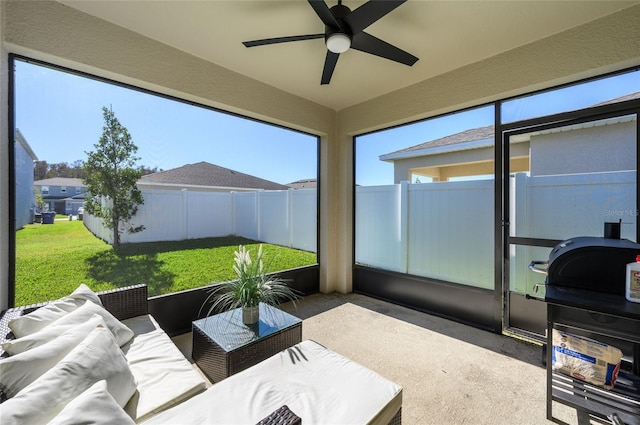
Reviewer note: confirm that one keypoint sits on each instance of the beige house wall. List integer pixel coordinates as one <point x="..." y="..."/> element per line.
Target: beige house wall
<point x="605" y="148"/>
<point x="58" y="34"/>
<point x="472" y="162"/>
<point x="436" y="166"/>
<point x="470" y="169"/>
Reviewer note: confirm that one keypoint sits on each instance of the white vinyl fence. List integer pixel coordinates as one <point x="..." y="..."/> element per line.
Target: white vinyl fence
<point x="287" y="217"/>
<point x="566" y="206"/>
<point x="444" y="230"/>
<point x="439" y="230"/>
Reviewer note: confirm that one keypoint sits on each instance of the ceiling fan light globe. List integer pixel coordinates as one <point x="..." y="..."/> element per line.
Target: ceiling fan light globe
<point x="338" y="43"/>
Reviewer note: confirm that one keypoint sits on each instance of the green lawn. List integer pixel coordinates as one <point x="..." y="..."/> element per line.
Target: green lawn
<point x="53" y="259"/>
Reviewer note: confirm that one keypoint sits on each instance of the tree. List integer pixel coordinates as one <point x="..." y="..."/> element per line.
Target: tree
<point x="75" y="170"/>
<point x="40" y="170"/>
<point x="40" y="203"/>
<point x="111" y="174"/>
<point x="148" y="170"/>
<point x="44" y="170"/>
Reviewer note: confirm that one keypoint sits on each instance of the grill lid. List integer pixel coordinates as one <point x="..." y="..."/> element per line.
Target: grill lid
<point x="591" y="263"/>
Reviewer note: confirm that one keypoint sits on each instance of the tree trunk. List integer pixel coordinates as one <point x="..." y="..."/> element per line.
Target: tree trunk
<point x="116" y="234"/>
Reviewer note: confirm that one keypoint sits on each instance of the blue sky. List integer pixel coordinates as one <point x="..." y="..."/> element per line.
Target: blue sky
<point x="60" y="115"/>
<point x="370" y="147"/>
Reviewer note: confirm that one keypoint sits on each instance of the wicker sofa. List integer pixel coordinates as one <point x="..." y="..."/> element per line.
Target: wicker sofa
<point x="307" y="381"/>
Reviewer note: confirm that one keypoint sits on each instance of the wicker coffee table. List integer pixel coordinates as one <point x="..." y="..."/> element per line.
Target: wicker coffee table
<point x="223" y="345"/>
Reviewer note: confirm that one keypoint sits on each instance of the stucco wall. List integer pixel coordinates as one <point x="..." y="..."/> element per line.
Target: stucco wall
<point x="402" y="167"/>
<point x="590" y="150"/>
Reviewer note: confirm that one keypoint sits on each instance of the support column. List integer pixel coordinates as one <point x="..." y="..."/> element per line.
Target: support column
<point x="336" y="214"/>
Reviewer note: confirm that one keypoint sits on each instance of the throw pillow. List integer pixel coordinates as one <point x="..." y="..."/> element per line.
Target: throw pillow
<point x="45" y="315"/>
<point x="96" y="358"/>
<point x="18" y="371"/>
<point x="95" y="406"/>
<point x="120" y="331"/>
<point x="80" y="327"/>
<point x="79" y="316"/>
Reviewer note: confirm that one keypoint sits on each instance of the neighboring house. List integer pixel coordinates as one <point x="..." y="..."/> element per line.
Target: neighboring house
<point x="471" y="152"/>
<point x="462" y="154"/>
<point x="304" y="184"/>
<point x="204" y="176"/>
<point x="24" y="196"/>
<point x="62" y="194"/>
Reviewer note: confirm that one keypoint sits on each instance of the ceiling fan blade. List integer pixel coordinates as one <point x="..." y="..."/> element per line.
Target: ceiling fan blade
<point x="323" y="12"/>
<point x="369" y="44"/>
<point x="329" y="65"/>
<point x="370" y="12"/>
<point x="276" y="40"/>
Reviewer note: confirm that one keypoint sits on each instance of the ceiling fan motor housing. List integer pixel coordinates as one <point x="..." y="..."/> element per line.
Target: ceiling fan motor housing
<point x="338" y="11"/>
<point x="338" y="40"/>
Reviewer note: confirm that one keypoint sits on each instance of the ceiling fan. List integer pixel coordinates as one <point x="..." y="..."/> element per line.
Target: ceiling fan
<point x="344" y="29"/>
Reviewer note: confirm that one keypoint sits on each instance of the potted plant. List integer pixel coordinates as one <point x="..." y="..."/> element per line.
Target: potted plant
<point x="252" y="287"/>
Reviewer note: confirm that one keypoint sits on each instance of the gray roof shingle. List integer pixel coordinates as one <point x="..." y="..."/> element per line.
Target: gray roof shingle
<point x="304" y="184"/>
<point x="60" y="181"/>
<point x="471" y="135"/>
<point x="206" y="174"/>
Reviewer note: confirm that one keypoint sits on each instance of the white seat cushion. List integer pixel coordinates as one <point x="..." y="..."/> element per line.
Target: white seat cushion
<point x="317" y="384"/>
<point x="165" y="377"/>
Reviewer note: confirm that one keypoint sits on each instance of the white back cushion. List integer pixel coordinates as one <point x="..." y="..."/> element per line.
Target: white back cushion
<point x="96" y="358"/>
<point x="18" y="371"/>
<point x="45" y="315"/>
<point x="76" y="318"/>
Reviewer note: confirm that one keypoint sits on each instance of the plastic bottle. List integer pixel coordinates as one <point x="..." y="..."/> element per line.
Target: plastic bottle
<point x="633" y="281"/>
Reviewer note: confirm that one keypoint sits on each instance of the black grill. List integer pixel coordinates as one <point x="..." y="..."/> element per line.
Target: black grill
<point x="585" y="295"/>
<point x="589" y="263"/>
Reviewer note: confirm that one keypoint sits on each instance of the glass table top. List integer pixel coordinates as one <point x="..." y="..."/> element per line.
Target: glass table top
<point x="227" y="330"/>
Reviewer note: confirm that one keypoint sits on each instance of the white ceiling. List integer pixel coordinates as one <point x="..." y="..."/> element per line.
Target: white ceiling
<point x="444" y="35"/>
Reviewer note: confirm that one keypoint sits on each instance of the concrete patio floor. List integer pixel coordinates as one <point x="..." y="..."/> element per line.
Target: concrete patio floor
<point x="450" y="373"/>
